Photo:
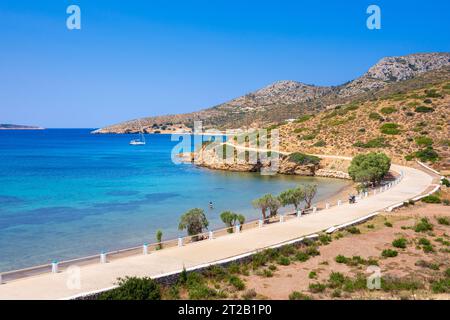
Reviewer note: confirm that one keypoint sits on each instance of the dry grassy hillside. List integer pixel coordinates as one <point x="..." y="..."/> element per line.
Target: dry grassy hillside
<point x="408" y="125"/>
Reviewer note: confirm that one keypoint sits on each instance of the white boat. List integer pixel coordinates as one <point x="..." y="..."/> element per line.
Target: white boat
<point x="141" y="140"/>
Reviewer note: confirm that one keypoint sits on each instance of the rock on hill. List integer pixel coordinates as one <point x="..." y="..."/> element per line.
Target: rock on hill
<point x="289" y="99"/>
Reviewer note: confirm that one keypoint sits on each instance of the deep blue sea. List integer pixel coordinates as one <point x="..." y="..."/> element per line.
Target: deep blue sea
<point x="65" y="193"/>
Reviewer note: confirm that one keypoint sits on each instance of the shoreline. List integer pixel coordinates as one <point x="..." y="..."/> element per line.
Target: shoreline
<point x="100" y="276"/>
<point x="120" y="253"/>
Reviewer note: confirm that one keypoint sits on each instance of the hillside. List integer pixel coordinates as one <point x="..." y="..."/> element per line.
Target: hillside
<point x="290" y="99"/>
<point x="408" y="121"/>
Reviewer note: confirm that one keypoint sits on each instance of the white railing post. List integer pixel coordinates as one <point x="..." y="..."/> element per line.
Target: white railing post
<point x="145" y="249"/>
<point x="327" y="205"/>
<point x="180" y="242"/>
<point x="210" y="235"/>
<point x="260" y="223"/>
<point x="339" y="203"/>
<point x="366" y="194"/>
<point x="299" y="213"/>
<point x="314" y="209"/>
<point x="237" y="228"/>
<point x="281" y="218"/>
<point x="103" y="257"/>
<point x="1" y="279"/>
<point x="55" y="266"/>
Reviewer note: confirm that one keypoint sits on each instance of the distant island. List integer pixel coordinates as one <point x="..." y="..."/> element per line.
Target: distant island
<point x="18" y="127"/>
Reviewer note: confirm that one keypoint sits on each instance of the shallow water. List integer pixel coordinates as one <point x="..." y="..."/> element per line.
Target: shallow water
<point x="67" y="193"/>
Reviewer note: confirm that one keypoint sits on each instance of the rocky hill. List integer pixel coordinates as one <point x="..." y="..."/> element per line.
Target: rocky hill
<point x="408" y="121"/>
<point x="289" y="99"/>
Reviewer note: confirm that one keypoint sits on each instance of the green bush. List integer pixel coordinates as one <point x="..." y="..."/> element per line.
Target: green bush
<point x="427" y="154"/>
<point x="301" y="158"/>
<point x="371" y="167"/>
<point x="388" y="110"/>
<point x="312" y="275"/>
<point x="388" y="253"/>
<point x="336" y="280"/>
<point x="388" y="224"/>
<point x="400" y="243"/>
<point x="445" y="182"/>
<point x="374" y="143"/>
<point x="423" y="225"/>
<point x="341" y="259"/>
<point x="441" y="286"/>
<point x="284" y="261"/>
<point x="375" y="116"/>
<point x="423" y="109"/>
<point x="310" y="136"/>
<point x="317" y="287"/>
<point x="431" y="199"/>
<point x="295" y="295"/>
<point x="237" y="282"/>
<point x="133" y="288"/>
<point x="390" y="128"/>
<point x="325" y="238"/>
<point x="353" y="230"/>
<point x="302" y="256"/>
<point x="320" y="143"/>
<point x="424" y="141"/>
<point x="443" y="220"/>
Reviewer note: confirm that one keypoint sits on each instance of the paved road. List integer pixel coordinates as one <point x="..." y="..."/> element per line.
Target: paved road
<point x="100" y="276"/>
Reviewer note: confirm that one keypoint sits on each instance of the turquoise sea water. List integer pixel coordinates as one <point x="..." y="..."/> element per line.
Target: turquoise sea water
<point x="66" y="193"/>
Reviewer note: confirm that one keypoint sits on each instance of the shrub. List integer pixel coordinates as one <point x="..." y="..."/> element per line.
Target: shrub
<point x="375" y="116"/>
<point x="301" y="158"/>
<point x="312" y="275"/>
<point x="325" y="238"/>
<point x="388" y="110"/>
<point x="427" y="154"/>
<point x="423" y="225"/>
<point x="388" y="224"/>
<point x="431" y="199"/>
<point x="371" y="167"/>
<point x="424" y="242"/>
<point x="336" y="280"/>
<point x="295" y="295"/>
<point x="390" y="128"/>
<point x="400" y="284"/>
<point x="341" y="259"/>
<point x="443" y="220"/>
<point x="302" y="256"/>
<point x="441" y="286"/>
<point x="423" y="109"/>
<point x="320" y="143"/>
<point x="374" y="143"/>
<point x="133" y="288"/>
<point x="310" y="136"/>
<point x="284" y="261"/>
<point x="400" y="243"/>
<point x="237" y="282"/>
<point x="388" y="253"/>
<point x="317" y="287"/>
<point x="424" y="141"/>
<point x="445" y="182"/>
<point x="353" y="230"/>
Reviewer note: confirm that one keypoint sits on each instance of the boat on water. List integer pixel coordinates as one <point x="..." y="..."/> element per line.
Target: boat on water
<point x="141" y="140"/>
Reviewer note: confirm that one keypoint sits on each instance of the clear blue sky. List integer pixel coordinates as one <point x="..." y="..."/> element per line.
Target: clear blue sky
<point x="139" y="58"/>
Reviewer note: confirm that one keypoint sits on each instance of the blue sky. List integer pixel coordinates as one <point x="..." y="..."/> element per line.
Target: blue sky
<point x="141" y="58"/>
